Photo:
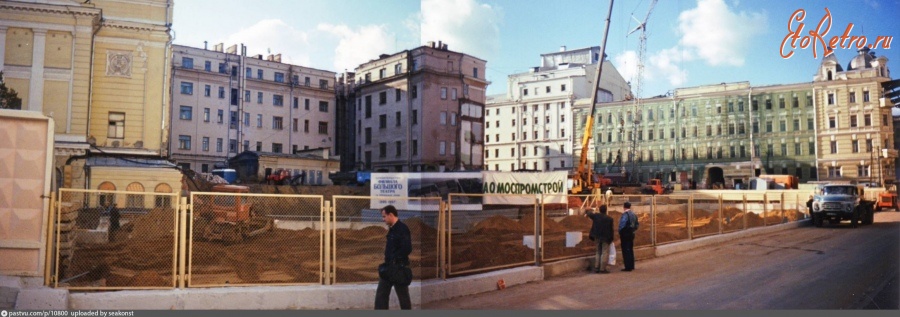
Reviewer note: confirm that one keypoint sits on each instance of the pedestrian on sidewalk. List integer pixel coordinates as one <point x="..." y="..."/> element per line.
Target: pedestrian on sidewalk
<point x="628" y="225"/>
<point x="396" y="259"/>
<point x="602" y="233"/>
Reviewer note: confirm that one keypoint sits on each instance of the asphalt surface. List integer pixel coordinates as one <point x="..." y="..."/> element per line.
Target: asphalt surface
<point x="835" y="267"/>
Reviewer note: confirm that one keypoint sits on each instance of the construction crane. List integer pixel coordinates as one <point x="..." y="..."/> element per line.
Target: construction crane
<point x="583" y="180"/>
<point x="635" y="117"/>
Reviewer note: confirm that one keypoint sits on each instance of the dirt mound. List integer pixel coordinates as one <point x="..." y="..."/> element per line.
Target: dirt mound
<point x="501" y="224"/>
<point x="372" y="231"/>
<point x="575" y="202"/>
<point x="149" y="278"/>
<point x="418" y="228"/>
<point x="576" y="223"/>
<point x="488" y="254"/>
<point x="159" y="222"/>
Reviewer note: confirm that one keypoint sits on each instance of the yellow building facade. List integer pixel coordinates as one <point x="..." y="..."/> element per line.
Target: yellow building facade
<point x="99" y="68"/>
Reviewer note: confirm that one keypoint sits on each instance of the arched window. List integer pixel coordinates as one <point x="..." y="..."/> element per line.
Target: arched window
<point x="135" y="200"/>
<point x="163" y="201"/>
<point x="107" y="198"/>
<point x="829" y="75"/>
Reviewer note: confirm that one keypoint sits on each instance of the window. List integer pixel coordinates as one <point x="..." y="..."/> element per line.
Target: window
<point x="219" y="145"/>
<point x="768" y="126"/>
<point x="783" y="149"/>
<point x="323" y="106"/>
<point x="207" y="66"/>
<point x="259" y="118"/>
<point x="562" y="87"/>
<point x="415" y="147"/>
<point x="834" y="171"/>
<point x="279" y="77"/>
<point x="834" y="149"/>
<point x="220" y="116"/>
<point x="205" y="114"/>
<point x="453" y="119"/>
<point x="795" y="103"/>
<point x="277" y="123"/>
<point x="294" y="125"/>
<point x="548" y="89"/>
<point x="768" y="104"/>
<point x="368" y="104"/>
<point x="868" y="145"/>
<point x="382" y="121"/>
<point x="863" y="170"/>
<point x="246" y="119"/>
<point x="382" y="98"/>
<point x="323" y="127"/>
<point x="781" y="103"/>
<point x="221" y="92"/>
<point x="259" y="74"/>
<point x="475" y="72"/>
<point x="809" y="103"/>
<point x="116" y="128"/>
<point x="185" y="113"/>
<point x="852" y="97"/>
<point x="415" y="92"/>
<point x="296" y="102"/>
<point x="397" y="148"/>
<point x="276" y="147"/>
<point x="398" y="94"/>
<point x="453" y="94"/>
<point x="855" y="146"/>
<point x="187" y="62"/>
<point x="812" y="148"/>
<point x="797" y="150"/>
<point x="187" y="88"/>
<point x="323" y="83"/>
<point x="246" y="146"/>
<point x="277" y="100"/>
<point x="796" y="124"/>
<point x="783" y="125"/>
<point x="443" y="118"/>
<point x="306" y="126"/>
<point x="444" y="93"/>
<point x="809" y="123"/>
<point x="259" y="97"/>
<point x="865" y="96"/>
<point x="184" y="142"/>
<point x="853" y="121"/>
<point x="443" y="148"/>
<point x="867" y="120"/>
<point x="831" y="98"/>
<point x="832" y="122"/>
<point x="562" y="133"/>
<point x="205" y="144"/>
<point x="415" y="117"/>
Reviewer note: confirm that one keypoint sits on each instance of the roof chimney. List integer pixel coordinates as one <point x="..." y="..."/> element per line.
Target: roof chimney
<point x="440" y="44"/>
<point x="562" y="48"/>
<point x="278" y="57"/>
<point x="430" y="43"/>
<point x="204" y="45"/>
<point x="232" y="49"/>
<point x="218" y="47"/>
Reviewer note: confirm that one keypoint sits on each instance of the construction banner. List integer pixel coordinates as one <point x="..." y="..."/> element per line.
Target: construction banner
<point x="501" y="187"/>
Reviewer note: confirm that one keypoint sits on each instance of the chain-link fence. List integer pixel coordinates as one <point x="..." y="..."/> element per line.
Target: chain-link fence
<point x="500" y="232"/>
<point x="359" y="236"/>
<point x="755" y="211"/>
<point x="236" y="238"/>
<point x="673" y="218"/>
<point x="115" y="240"/>
<point x="706" y="215"/>
<point x="565" y="229"/>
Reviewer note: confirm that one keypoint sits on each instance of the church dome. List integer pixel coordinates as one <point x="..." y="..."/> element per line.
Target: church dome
<point x="862" y="60"/>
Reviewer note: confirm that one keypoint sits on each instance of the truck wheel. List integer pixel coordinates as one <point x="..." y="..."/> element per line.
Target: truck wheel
<point x="869" y="218"/>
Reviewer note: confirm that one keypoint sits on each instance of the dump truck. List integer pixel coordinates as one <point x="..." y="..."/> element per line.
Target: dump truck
<point x="228" y="218"/>
<point x="838" y="202"/>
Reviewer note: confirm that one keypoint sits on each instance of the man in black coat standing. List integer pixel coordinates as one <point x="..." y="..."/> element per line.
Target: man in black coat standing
<point x="602" y="233"/>
<point x="396" y="252"/>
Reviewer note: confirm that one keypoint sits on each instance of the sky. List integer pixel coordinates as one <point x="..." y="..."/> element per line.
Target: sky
<point x="689" y="42"/>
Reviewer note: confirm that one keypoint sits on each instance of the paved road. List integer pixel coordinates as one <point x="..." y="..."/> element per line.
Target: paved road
<point x="836" y="267"/>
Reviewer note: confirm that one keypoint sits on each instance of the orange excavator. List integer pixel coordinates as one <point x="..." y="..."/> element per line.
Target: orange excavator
<point x="228" y="218"/>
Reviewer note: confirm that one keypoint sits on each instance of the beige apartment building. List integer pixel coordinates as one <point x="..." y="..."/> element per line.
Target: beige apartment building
<point x="533" y="126"/>
<point x="225" y="102"/>
<point x="100" y="70"/>
<point x="420" y="110"/>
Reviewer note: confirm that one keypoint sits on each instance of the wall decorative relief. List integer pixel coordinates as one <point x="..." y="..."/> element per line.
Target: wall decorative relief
<point x="118" y="63"/>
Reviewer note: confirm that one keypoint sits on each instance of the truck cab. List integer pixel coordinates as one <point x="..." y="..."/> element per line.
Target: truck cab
<point x="839" y="202"/>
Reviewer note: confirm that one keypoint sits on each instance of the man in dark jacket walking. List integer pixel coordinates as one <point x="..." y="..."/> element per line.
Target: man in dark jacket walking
<point x="396" y="253"/>
<point x="602" y="233"/>
<point x="628" y="225"/>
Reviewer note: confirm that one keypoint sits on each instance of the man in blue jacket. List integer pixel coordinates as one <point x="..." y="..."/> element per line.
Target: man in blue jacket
<point x="396" y="252"/>
<point x="628" y="225"/>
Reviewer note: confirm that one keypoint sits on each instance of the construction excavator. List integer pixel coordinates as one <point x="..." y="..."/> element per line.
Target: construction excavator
<point x="228" y="218"/>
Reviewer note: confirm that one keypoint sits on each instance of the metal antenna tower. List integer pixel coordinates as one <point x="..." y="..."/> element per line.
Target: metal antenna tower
<point x="633" y="152"/>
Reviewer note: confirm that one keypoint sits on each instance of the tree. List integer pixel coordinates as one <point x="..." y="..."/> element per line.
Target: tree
<point x="9" y="98"/>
